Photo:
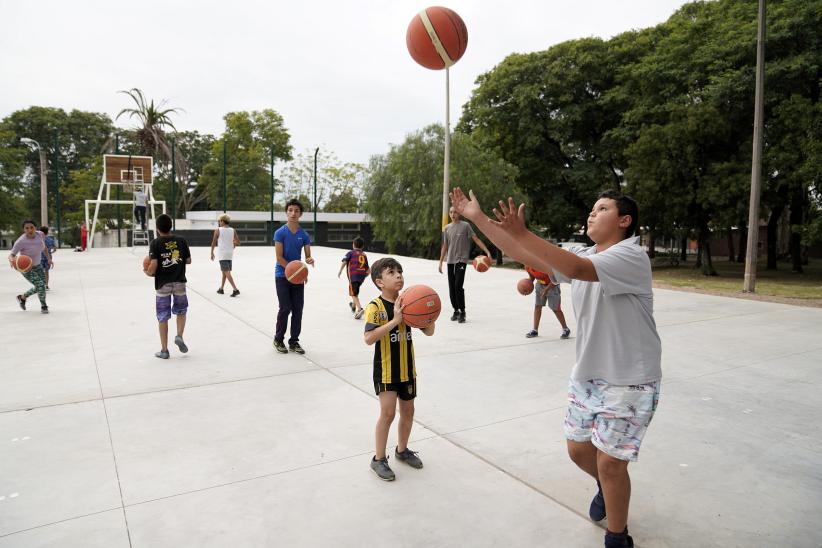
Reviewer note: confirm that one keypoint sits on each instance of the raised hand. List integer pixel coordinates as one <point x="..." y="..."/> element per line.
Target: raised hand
<point x="510" y="218"/>
<point x="468" y="207"/>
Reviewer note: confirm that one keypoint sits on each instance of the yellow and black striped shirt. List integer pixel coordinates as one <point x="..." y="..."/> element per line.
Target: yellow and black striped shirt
<point x="394" y="352"/>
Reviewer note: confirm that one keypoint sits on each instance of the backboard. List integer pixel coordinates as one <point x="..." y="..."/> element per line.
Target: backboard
<point x="127" y="170"/>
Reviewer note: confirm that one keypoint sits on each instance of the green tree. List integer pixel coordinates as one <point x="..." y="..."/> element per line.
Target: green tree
<point x="335" y="179"/>
<point x="249" y="138"/>
<point x="543" y="112"/>
<point x="404" y="190"/>
<point x="80" y="136"/>
<point x="12" y="168"/>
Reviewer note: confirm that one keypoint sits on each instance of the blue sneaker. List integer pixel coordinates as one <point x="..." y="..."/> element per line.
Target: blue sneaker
<point x="597" y="509"/>
<point x="613" y="540"/>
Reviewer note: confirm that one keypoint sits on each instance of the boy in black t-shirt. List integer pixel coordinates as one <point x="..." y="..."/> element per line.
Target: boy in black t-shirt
<point x="169" y="256"/>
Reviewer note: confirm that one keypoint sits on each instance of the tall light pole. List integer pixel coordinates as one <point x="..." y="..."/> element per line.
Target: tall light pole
<point x="314" y="227"/>
<point x="749" y="285"/>
<point x="44" y="207"/>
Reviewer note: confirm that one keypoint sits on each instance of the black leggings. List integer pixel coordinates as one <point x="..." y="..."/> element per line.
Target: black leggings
<point x="456" y="277"/>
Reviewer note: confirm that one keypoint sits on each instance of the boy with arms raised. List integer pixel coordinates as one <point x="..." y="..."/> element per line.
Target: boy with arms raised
<point x="289" y="242"/>
<point x="614" y="386"/>
<point x="395" y="376"/>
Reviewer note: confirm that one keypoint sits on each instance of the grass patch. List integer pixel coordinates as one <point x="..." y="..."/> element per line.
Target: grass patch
<point x="780" y="283"/>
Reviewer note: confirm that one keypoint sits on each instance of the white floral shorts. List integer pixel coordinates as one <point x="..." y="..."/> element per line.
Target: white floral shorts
<point x="612" y="417"/>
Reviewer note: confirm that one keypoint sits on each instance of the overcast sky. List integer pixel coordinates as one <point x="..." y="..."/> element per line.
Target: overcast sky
<point x="337" y="70"/>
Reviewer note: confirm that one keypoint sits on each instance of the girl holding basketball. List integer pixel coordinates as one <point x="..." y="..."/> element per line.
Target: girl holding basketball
<point x="32" y="244"/>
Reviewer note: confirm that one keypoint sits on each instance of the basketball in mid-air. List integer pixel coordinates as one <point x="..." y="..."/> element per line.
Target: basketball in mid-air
<point x="525" y="286"/>
<point x="22" y="263"/>
<point x="436" y="38"/>
<point x="296" y="272"/>
<point x="481" y="263"/>
<point x="421" y="306"/>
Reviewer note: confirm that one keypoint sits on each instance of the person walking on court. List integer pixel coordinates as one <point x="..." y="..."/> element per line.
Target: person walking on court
<point x="455" y="251"/>
<point x="614" y="387"/>
<point x="225" y="239"/>
<point x="46" y="259"/>
<point x="289" y="242"/>
<point x="169" y="256"/>
<point x="32" y="244"/>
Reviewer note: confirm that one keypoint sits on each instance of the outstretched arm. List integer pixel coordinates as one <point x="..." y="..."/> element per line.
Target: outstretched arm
<point x="509" y="234"/>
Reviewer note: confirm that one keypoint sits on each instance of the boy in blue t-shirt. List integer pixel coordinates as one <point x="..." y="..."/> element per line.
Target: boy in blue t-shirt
<point x="289" y="241"/>
<point x="357" y="270"/>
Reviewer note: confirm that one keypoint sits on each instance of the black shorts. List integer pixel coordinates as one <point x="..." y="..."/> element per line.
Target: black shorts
<point x="354" y="288"/>
<point x="225" y="266"/>
<point x="405" y="390"/>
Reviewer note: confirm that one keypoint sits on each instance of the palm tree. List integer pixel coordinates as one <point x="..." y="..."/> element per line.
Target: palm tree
<point x="150" y="135"/>
<point x="153" y="120"/>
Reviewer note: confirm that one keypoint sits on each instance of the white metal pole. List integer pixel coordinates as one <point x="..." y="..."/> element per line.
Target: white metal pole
<point x="756" y="164"/>
<point x="446" y="179"/>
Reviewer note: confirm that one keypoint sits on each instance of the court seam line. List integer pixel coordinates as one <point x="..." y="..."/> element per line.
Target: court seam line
<point x="105" y="409"/>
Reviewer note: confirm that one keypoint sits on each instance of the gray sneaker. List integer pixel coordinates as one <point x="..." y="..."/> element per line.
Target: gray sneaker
<point x="178" y="340"/>
<point x="295" y="347"/>
<point x="162" y="354"/>
<point x="408" y="457"/>
<point x="381" y="468"/>
<point x="358" y="314"/>
<point x="280" y="347"/>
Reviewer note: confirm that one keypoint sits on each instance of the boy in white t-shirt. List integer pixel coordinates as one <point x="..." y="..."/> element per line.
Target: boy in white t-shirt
<point x="225" y="240"/>
<point x="614" y="386"/>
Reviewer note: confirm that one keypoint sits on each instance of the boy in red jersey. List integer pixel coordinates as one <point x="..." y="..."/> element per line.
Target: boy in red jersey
<point x="357" y="271"/>
<point x="546" y="291"/>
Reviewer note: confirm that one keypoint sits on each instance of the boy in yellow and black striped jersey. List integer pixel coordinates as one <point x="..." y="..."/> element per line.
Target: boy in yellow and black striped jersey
<point x="395" y="377"/>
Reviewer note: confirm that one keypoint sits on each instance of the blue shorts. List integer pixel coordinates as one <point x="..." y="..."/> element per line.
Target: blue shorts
<point x="163" y="301"/>
<point x="612" y="417"/>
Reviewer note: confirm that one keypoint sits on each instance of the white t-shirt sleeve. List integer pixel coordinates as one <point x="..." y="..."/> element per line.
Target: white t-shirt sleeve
<point x="623" y="269"/>
<point x="576" y="250"/>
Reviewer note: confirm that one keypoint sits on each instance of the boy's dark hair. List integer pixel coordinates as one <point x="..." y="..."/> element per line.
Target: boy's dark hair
<point x="163" y="223"/>
<point x="44" y="229"/>
<point x="294" y="202"/>
<point x="359" y="242"/>
<point x="384" y="264"/>
<point x="625" y="206"/>
<point x="28" y="222"/>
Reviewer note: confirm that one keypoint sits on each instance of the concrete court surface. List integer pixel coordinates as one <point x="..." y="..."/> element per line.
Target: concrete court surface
<point x="102" y="444"/>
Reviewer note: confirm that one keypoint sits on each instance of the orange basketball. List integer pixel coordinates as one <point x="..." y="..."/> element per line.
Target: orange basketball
<point x="421" y="306"/>
<point x="436" y="38"/>
<point x="23" y="263"/>
<point x="481" y="263"/>
<point x="296" y="272"/>
<point x="525" y="286"/>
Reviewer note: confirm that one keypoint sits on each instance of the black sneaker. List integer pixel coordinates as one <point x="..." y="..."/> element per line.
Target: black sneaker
<point x="618" y="541"/>
<point x="235" y="292"/>
<point x="597" y="509"/>
<point x="455" y="316"/>
<point x="408" y="457"/>
<point x="280" y="347"/>
<point x="21" y="301"/>
<point x="461" y="319"/>
<point x="531" y="334"/>
<point x="565" y="333"/>
<point x="295" y="347"/>
<point x="381" y="468"/>
<point x="44" y="310"/>
<point x="220" y="291"/>
<point x="351" y="306"/>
